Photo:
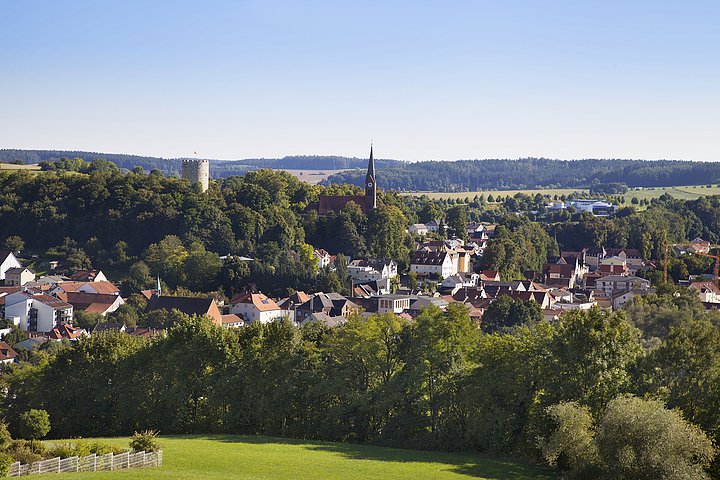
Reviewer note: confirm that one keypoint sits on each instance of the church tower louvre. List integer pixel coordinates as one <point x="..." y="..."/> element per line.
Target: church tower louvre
<point x="370" y="184"/>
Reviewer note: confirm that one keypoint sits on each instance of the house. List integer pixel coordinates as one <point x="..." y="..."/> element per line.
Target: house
<point x="332" y="304"/>
<point x="454" y="282"/>
<point x="706" y="291"/>
<point x="372" y="269"/>
<point x="31" y="343"/>
<point x="101" y="303"/>
<point x="434" y="225"/>
<point x="232" y="321"/>
<point x="418" y="304"/>
<point x="489" y="276"/>
<point x="7" y="353"/>
<point x="66" y="332"/>
<point x="419" y="229"/>
<point x="292" y="302"/>
<point x="598" y="208"/>
<point x="620" y="298"/>
<point x="7" y="261"/>
<point x="632" y="257"/>
<point x="425" y="263"/>
<point x="543" y="299"/>
<point x="87" y="287"/>
<point x="19" y="276"/>
<point x="322" y="257"/>
<point x="593" y="256"/>
<point x="256" y="307"/>
<point x="186" y="305"/>
<point x="393" y="303"/>
<point x="37" y="312"/>
<point x="616" y="283"/>
<point x="88" y="276"/>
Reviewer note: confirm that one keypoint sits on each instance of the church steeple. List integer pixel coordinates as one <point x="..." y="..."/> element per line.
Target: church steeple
<point x="370" y="184"/>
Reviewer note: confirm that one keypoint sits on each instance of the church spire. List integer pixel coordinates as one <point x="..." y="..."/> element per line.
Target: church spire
<point x="370" y="183"/>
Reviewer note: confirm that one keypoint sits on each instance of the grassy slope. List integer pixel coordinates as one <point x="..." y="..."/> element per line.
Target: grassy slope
<point x="246" y="457"/>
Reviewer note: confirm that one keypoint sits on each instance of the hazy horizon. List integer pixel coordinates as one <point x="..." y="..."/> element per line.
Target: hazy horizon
<point x="267" y="79"/>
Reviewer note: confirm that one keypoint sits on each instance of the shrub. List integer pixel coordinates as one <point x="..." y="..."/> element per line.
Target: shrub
<point x="5" y="438"/>
<point x="24" y="451"/>
<point x="81" y="448"/>
<point x="5" y="462"/>
<point x="34" y="424"/>
<point x="145" y="441"/>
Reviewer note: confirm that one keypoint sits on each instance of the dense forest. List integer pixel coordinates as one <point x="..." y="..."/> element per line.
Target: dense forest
<point x="441" y="176"/>
<point x="586" y="393"/>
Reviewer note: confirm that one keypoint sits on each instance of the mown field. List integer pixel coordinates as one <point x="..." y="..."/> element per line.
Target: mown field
<point x="247" y="457"/>
<point x="12" y="166"/>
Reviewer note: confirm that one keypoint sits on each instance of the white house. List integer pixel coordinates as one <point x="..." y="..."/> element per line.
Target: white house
<point x="37" y="312"/>
<point x="362" y="271"/>
<point x="419" y="229"/>
<point x="256" y="307"/>
<point x="7" y="261"/>
<point x="322" y="257"/>
<point x="393" y="303"/>
<point x="428" y="263"/>
<point x="706" y="291"/>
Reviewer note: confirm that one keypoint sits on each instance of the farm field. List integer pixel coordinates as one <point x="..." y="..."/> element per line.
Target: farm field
<point x="681" y="192"/>
<point x="12" y="166"/>
<point x="248" y="457"/>
<point x="312" y="177"/>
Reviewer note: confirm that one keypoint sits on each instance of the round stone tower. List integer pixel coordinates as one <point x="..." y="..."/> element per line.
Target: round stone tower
<point x="197" y="171"/>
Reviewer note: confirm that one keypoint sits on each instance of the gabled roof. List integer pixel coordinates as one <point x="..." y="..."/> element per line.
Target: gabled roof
<point x="90" y="302"/>
<point x="704" y="287"/>
<point x="99" y="287"/>
<point x="66" y="331"/>
<point x="84" y="275"/>
<point x="4" y="254"/>
<point x="258" y="300"/>
<point x="17" y="270"/>
<point x="231" y="318"/>
<point x="6" y="352"/>
<point x="421" y="257"/>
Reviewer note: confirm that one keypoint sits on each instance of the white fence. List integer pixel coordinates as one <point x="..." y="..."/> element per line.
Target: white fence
<point x="91" y="463"/>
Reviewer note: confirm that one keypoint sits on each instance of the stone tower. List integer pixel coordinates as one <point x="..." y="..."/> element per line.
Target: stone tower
<point x="197" y="171"/>
<point x="370" y="184"/>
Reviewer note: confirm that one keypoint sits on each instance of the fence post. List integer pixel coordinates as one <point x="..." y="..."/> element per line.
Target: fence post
<point x="94" y="462"/>
<point x="112" y="461"/>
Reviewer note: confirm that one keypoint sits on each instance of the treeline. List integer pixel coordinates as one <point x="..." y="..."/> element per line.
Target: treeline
<point x="173" y="166"/>
<point x="525" y="173"/>
<point x="435" y="383"/>
<point x="440" y="176"/>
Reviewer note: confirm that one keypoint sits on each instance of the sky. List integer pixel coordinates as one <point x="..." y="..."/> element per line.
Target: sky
<point x="422" y="80"/>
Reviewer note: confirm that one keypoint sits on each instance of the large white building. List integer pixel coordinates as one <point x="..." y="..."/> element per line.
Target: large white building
<point x="37" y="312"/>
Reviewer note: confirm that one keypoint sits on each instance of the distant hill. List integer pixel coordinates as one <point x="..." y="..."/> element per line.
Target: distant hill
<point x="437" y="176"/>
<point x="530" y="173"/>
<point x="218" y="168"/>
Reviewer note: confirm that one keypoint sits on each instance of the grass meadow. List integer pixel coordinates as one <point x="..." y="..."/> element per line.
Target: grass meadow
<point x="223" y="457"/>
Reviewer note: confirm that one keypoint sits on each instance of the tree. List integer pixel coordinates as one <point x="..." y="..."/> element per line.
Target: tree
<point x="138" y="278"/>
<point x="457" y="218"/>
<point x="85" y="320"/>
<point x="412" y="281"/>
<point x="34" y="424"/>
<point x="386" y="233"/>
<point x="507" y="312"/>
<point x="635" y="439"/>
<point x="14" y="243"/>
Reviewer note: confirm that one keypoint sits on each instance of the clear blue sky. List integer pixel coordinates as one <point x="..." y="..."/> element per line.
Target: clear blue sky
<point x="423" y="80"/>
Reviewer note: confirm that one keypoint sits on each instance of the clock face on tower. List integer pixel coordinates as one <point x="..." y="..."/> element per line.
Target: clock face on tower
<point x="370" y="184"/>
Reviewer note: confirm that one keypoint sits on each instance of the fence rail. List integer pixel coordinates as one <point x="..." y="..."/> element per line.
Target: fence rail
<point x="91" y="463"/>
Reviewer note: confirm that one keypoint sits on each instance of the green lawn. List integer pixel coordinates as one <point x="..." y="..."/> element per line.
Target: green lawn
<point x="495" y="193"/>
<point x="247" y="457"/>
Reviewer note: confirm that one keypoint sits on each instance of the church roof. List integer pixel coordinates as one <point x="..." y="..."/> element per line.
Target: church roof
<point x="335" y="203"/>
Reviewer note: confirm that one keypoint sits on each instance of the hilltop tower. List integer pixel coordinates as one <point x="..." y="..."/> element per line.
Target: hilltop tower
<point x="370" y="184"/>
<point x="197" y="171"/>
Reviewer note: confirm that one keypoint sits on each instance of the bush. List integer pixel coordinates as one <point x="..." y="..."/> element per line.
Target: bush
<point x="5" y="438"/>
<point x="145" y="441"/>
<point x="5" y="462"/>
<point x="80" y="448"/>
<point x="34" y="424"/>
<point x="25" y="451"/>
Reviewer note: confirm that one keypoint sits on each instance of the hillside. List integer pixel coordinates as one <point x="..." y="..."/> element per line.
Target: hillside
<point x="247" y="457"/>
<point x="432" y="176"/>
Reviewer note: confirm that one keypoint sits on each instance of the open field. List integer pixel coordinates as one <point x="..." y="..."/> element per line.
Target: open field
<point x="12" y="166"/>
<point x="682" y="192"/>
<point x="248" y="457"/>
<point x="311" y="176"/>
<point x="495" y="193"/>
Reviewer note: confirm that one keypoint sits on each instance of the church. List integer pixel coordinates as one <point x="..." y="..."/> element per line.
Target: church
<point x="366" y="202"/>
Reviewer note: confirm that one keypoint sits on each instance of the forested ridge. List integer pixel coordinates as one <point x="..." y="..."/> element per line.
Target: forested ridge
<point x="441" y="176"/>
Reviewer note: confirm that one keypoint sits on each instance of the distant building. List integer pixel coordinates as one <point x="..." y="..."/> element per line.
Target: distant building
<point x="197" y="171"/>
<point x="7" y="261"/>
